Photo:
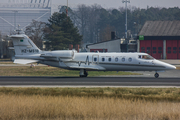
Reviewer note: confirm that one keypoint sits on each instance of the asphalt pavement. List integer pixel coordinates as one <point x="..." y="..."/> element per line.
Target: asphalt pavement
<point x="145" y="80"/>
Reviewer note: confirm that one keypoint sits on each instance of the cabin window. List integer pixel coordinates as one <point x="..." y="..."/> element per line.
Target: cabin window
<point x="130" y="59"/>
<point x="103" y="59"/>
<point x="123" y="59"/>
<point x="109" y="59"/>
<point x="139" y="56"/>
<point x="95" y="59"/>
<point x="116" y="59"/>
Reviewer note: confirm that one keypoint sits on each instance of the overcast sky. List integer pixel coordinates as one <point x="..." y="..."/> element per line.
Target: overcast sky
<point x="118" y="3"/>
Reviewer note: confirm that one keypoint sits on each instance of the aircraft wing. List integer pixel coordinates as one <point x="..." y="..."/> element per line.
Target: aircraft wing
<point x="24" y="61"/>
<point x="90" y="67"/>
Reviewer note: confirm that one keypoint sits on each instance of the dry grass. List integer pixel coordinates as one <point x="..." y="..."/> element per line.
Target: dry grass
<point x="149" y="94"/>
<point x="89" y="103"/>
<point x="67" y="107"/>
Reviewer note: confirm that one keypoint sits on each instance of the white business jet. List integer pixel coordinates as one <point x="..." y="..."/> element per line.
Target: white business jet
<point x="27" y="52"/>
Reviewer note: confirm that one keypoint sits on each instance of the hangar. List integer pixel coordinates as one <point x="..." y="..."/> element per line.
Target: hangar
<point x="114" y="45"/>
<point x="160" y="39"/>
<point x="105" y="46"/>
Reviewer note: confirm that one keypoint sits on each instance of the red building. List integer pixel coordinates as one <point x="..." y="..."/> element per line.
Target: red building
<point x="160" y="39"/>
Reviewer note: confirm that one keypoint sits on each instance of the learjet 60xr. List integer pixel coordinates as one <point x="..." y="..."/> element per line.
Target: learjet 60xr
<point x="27" y="52"/>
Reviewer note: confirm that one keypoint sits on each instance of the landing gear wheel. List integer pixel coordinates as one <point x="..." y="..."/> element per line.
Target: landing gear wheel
<point x="156" y="75"/>
<point x="85" y="73"/>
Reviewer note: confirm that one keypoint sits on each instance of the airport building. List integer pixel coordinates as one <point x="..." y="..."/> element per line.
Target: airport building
<point x="22" y="12"/>
<point x="160" y="39"/>
<point x="106" y="46"/>
<point x="114" y="45"/>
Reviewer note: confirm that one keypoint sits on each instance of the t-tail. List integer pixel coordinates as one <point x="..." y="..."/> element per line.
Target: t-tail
<point x="23" y="45"/>
<point x="24" y="49"/>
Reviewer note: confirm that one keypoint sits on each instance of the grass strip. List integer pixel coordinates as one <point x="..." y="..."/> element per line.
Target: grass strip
<point x="150" y="94"/>
<point x="51" y="71"/>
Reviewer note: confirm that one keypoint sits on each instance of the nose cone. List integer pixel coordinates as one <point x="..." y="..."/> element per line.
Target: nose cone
<point x="170" y="67"/>
<point x="165" y="65"/>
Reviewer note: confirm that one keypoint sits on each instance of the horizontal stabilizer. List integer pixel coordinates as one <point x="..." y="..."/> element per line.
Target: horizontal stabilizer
<point x="90" y="67"/>
<point x="24" y="61"/>
<point x="17" y="36"/>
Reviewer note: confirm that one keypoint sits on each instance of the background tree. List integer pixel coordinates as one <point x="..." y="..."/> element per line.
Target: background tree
<point x="82" y="15"/>
<point x="35" y="32"/>
<point x="60" y="32"/>
<point x="94" y="21"/>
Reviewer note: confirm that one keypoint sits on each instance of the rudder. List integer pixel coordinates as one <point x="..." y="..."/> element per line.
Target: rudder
<point x="24" y="45"/>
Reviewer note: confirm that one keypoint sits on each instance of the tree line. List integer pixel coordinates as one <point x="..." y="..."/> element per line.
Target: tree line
<point x="96" y="23"/>
<point x="91" y="24"/>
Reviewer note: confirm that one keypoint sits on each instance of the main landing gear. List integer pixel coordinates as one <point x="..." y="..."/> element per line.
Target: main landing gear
<point x="156" y="75"/>
<point x="83" y="73"/>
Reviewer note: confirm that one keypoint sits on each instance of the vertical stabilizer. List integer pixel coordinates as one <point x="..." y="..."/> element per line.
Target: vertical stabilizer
<point x="23" y="45"/>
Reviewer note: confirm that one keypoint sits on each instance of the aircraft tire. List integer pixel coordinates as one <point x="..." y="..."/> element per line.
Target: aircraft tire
<point x="85" y="74"/>
<point x="156" y="75"/>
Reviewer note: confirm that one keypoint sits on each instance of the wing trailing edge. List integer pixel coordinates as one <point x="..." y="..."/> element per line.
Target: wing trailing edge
<point x="90" y="67"/>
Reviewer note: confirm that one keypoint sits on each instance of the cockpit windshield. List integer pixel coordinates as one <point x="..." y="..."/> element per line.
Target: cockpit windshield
<point x="147" y="57"/>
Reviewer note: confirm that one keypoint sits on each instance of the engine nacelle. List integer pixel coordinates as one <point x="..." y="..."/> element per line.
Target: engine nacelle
<point x="69" y="54"/>
<point x="64" y="55"/>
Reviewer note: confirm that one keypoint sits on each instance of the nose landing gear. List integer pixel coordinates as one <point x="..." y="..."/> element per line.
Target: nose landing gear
<point x="156" y="75"/>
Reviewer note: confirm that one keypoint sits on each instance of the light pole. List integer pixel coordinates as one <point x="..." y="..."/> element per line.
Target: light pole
<point x="67" y="9"/>
<point x="126" y="1"/>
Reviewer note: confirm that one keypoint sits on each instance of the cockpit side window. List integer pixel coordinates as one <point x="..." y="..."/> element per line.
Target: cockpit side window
<point x="146" y="57"/>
